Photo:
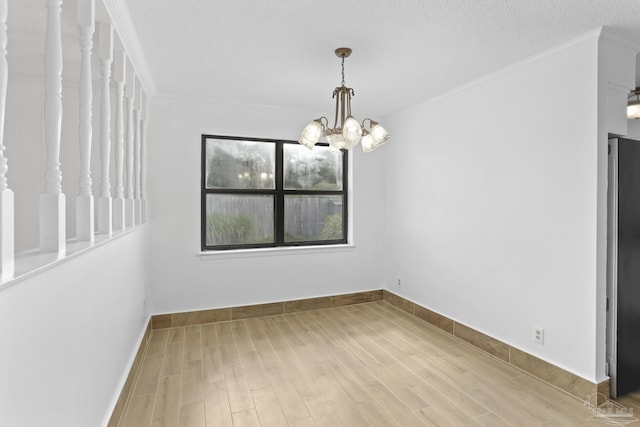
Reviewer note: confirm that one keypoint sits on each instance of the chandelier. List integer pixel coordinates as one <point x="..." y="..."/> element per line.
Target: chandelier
<point x="633" y="105"/>
<point x="346" y="131"/>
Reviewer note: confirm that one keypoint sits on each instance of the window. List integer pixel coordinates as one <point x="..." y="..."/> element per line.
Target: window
<point x="259" y="193"/>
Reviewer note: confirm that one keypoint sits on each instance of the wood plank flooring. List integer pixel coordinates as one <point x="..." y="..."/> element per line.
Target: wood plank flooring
<point x="360" y="365"/>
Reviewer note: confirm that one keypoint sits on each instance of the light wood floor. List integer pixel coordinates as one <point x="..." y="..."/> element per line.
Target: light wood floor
<point x="361" y="365"/>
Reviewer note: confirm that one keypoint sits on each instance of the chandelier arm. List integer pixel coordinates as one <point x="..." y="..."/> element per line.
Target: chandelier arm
<point x="336" y="95"/>
<point x="350" y="93"/>
<point x="342" y="108"/>
<point x="347" y="102"/>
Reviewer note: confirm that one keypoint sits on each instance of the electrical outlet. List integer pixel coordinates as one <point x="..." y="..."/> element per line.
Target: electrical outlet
<point x="538" y="335"/>
<point x="399" y="283"/>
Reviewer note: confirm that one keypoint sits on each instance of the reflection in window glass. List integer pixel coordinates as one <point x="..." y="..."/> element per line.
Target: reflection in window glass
<point x="308" y="218"/>
<point x="317" y="169"/>
<point x="240" y="164"/>
<point x="233" y="219"/>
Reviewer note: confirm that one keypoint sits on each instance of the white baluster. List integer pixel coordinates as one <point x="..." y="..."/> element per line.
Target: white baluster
<point x="129" y="94"/>
<point x="136" y="154"/>
<point x="52" y="201"/>
<point x="6" y="195"/>
<point x="105" y="54"/>
<point x="119" y="75"/>
<point x="84" y="200"/>
<point x="143" y="155"/>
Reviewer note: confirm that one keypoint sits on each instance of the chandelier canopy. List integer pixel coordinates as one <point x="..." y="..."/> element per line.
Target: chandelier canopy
<point x="346" y="131"/>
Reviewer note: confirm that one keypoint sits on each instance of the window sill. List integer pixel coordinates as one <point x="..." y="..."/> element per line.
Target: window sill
<point x="265" y="252"/>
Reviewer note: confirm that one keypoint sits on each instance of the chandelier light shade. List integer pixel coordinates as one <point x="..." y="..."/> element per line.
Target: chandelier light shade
<point x="311" y="134"/>
<point x="633" y="104"/>
<point x="346" y="131"/>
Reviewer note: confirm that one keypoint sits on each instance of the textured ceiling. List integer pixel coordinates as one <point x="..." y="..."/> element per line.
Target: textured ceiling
<point x="280" y="52"/>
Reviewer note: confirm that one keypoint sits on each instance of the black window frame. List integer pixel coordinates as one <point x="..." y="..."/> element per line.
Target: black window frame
<point x="278" y="193"/>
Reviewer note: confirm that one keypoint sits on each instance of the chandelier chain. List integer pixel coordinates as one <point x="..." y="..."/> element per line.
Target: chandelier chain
<point x="343" y="71"/>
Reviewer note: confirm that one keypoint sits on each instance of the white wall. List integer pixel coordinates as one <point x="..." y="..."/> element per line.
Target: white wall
<point x="181" y="280"/>
<point x="492" y="206"/>
<point x="68" y="335"/>
<point x="634" y="129"/>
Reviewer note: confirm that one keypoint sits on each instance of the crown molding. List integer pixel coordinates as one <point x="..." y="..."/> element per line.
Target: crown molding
<point x="121" y="20"/>
<point x="592" y="35"/>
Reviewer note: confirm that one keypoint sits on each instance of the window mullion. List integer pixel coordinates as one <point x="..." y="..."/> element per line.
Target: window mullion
<point x="345" y="191"/>
<point x="279" y="201"/>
